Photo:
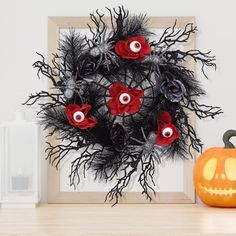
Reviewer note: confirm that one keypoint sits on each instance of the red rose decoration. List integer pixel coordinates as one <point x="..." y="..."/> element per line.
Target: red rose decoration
<point x="76" y="116"/>
<point x="124" y="99"/>
<point x="167" y="132"/>
<point x="135" y="48"/>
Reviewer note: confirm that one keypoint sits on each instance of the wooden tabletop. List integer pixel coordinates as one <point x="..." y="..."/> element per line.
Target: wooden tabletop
<point x="133" y="219"/>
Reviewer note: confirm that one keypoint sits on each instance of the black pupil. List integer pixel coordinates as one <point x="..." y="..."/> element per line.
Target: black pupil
<point x="125" y="98"/>
<point x="167" y="133"/>
<point x="78" y="117"/>
<point x="137" y="45"/>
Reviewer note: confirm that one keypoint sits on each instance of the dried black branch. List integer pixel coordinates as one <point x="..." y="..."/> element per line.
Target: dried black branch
<point x="120" y="16"/>
<point x="111" y="18"/>
<point x="127" y="25"/>
<point x="100" y="26"/>
<point x="190" y="134"/>
<point x="57" y="66"/>
<point x="82" y="164"/>
<point x="146" y="177"/>
<point x="56" y="153"/>
<point x="54" y="97"/>
<point x="176" y="57"/>
<point x="106" y="164"/>
<point x="173" y="36"/>
<point x="45" y="69"/>
<point x="122" y="183"/>
<point x="201" y="110"/>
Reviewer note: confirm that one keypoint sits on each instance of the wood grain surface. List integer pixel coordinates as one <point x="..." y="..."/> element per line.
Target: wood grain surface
<point x="128" y="219"/>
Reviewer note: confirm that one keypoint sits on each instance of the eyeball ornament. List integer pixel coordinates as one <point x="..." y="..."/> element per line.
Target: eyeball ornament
<point x="167" y="132"/>
<point x="124" y="98"/>
<point x="78" y="116"/>
<point x="135" y="46"/>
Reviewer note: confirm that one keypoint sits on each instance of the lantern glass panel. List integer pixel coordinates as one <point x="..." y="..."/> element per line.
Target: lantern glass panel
<point x="19" y="162"/>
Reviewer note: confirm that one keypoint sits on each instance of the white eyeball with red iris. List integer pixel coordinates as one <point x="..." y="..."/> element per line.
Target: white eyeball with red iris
<point x="167" y="132"/>
<point x="78" y="116"/>
<point x="135" y="46"/>
<point x="124" y="98"/>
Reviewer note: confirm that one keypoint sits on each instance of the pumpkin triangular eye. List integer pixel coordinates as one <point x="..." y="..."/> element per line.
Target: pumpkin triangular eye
<point x="210" y="168"/>
<point x="230" y="167"/>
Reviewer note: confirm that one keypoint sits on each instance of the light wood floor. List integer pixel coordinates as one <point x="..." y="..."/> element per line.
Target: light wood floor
<point x="102" y="220"/>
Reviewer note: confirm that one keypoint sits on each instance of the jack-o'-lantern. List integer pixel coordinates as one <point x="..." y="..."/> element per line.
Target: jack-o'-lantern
<point x="215" y="174"/>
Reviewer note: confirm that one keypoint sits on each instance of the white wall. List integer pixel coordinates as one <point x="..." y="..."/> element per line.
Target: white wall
<point x="23" y="25"/>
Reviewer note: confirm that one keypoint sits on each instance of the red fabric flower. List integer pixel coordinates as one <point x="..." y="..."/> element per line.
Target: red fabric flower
<point x="167" y="132"/>
<point x="76" y="116"/>
<point x="124" y="99"/>
<point x="135" y="48"/>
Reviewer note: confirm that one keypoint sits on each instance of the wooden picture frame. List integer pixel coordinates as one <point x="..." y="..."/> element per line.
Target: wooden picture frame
<point x="54" y="193"/>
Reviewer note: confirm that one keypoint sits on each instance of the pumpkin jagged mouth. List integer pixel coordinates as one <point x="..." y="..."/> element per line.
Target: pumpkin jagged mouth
<point x="219" y="191"/>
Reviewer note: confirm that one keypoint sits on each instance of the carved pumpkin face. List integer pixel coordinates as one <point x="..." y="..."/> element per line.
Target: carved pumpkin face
<point x="215" y="177"/>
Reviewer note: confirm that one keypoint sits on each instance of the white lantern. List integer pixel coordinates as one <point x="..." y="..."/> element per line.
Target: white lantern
<point x="19" y="163"/>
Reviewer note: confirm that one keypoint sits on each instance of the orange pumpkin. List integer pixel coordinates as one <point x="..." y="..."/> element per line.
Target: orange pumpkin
<point x="215" y="174"/>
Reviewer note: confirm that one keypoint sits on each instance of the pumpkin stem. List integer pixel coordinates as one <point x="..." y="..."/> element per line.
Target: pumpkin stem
<point x="226" y="137"/>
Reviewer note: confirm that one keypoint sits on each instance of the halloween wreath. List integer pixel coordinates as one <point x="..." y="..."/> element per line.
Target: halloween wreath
<point x="121" y="101"/>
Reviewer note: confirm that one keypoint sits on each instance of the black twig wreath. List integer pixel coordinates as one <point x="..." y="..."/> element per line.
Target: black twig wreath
<point x="121" y="101"/>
